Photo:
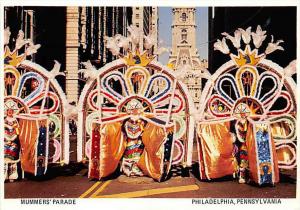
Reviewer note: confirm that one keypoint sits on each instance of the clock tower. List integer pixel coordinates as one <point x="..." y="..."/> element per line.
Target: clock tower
<point x="184" y="51"/>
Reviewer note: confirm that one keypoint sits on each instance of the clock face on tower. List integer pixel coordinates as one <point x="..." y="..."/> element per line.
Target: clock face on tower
<point x="183" y="17"/>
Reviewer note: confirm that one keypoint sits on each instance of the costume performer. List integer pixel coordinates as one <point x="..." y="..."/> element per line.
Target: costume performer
<point x="11" y="146"/>
<point x="134" y="147"/>
<point x="141" y="145"/>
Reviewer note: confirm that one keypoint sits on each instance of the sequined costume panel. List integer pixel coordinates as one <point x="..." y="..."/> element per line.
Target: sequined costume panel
<point x="11" y="148"/>
<point x="134" y="147"/>
<point x="132" y="155"/>
<point x="11" y="141"/>
<point x="112" y="146"/>
<point x="262" y="157"/>
<point x="42" y="146"/>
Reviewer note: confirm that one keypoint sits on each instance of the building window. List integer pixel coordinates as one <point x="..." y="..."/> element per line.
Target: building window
<point x="183" y="17"/>
<point x="183" y="34"/>
<point x="137" y="15"/>
<point x="137" y="25"/>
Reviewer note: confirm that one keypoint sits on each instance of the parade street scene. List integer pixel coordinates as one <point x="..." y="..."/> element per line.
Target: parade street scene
<point x="149" y="102"/>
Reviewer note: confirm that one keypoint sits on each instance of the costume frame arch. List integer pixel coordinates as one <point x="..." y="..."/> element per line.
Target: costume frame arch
<point x="154" y="66"/>
<point x="36" y="125"/>
<point x="258" y="110"/>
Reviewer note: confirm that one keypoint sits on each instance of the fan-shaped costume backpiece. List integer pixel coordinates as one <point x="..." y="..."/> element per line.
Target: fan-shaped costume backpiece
<point x="134" y="114"/>
<point x="250" y="99"/>
<point x="36" y="131"/>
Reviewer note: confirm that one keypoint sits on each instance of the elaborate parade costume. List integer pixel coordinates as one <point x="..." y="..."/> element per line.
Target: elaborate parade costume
<point x="264" y="130"/>
<point x="134" y="148"/>
<point x="146" y="107"/>
<point x="138" y="145"/>
<point x="33" y="100"/>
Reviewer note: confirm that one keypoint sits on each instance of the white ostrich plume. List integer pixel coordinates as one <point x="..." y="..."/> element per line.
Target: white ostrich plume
<point x="32" y="48"/>
<point x="246" y="35"/>
<point x="122" y="42"/>
<point x="150" y="40"/>
<point x="273" y="46"/>
<point x="258" y="37"/>
<point x="236" y="39"/>
<point x="221" y="46"/>
<point x="20" y="41"/>
<point x="112" y="45"/>
<point x="135" y="34"/>
<point x="90" y="72"/>
<point x="6" y="35"/>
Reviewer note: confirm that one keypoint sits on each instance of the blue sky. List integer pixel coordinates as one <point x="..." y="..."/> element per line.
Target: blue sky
<point x="165" y="35"/>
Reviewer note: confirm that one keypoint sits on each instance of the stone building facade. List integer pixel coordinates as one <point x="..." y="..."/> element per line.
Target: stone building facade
<point x="184" y="51"/>
<point x="86" y="29"/>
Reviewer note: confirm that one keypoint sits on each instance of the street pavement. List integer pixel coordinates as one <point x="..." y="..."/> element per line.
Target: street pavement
<point x="72" y="182"/>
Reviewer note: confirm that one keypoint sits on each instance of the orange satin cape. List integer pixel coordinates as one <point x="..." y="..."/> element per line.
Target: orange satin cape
<point x="215" y="150"/>
<point x="29" y="134"/>
<point x="215" y="145"/>
<point x="112" y="143"/>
